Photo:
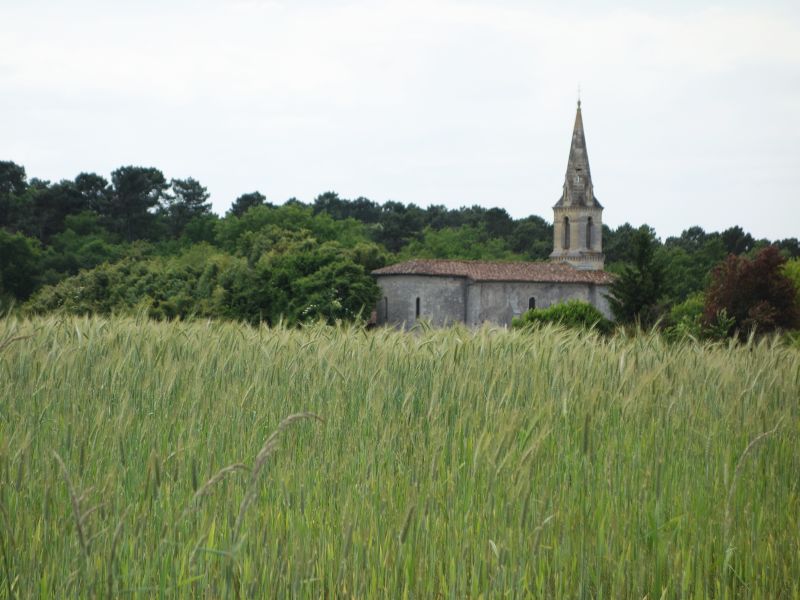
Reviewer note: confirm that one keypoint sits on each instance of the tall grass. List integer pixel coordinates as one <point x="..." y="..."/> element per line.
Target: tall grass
<point x="144" y="459"/>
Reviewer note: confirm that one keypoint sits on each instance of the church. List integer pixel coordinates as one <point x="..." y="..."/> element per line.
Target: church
<point x="444" y="292"/>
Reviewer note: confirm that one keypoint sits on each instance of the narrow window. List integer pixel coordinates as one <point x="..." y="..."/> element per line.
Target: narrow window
<point x="589" y="233"/>
<point x="531" y="303"/>
<point x="566" y="232"/>
<point x="418" y="308"/>
<point x="385" y="308"/>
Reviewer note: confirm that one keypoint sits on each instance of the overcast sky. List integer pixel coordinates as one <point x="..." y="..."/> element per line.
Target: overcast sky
<point x="691" y="109"/>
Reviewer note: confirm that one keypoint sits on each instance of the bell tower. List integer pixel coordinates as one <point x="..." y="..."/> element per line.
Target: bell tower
<point x="578" y="216"/>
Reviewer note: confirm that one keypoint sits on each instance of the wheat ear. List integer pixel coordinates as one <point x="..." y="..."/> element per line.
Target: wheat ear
<point x="76" y="507"/>
<point x="268" y="448"/>
<point x="205" y="489"/>
<point x="755" y="441"/>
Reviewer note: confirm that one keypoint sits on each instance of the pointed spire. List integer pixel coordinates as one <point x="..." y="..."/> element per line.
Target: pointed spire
<point x="578" y="189"/>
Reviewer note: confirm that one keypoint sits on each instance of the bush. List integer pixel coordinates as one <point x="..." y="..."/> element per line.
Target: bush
<point x="792" y="339"/>
<point x="686" y="318"/>
<point x="792" y="270"/>
<point x="572" y="313"/>
<point x="305" y="281"/>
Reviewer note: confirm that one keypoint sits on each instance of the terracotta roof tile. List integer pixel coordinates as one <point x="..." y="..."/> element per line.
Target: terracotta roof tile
<point x="478" y="270"/>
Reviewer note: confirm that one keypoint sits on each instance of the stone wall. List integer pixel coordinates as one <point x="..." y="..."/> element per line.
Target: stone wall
<point x="442" y="300"/>
<point x="498" y="302"/>
<point x="447" y="300"/>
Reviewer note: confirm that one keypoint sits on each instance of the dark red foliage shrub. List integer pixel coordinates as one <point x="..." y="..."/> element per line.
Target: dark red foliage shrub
<point x="754" y="292"/>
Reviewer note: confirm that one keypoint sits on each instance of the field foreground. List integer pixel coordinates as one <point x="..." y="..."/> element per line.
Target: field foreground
<point x="137" y="458"/>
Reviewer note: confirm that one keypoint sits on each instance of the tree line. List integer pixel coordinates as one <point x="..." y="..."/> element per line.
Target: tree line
<point x="141" y="240"/>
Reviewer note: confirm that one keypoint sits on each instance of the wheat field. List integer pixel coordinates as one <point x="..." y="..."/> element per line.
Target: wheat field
<point x="211" y="459"/>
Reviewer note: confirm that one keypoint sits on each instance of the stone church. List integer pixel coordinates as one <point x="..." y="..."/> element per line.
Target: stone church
<point x="443" y="292"/>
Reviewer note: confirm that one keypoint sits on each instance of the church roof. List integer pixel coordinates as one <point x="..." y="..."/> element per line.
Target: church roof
<point x="578" y="188"/>
<point x="479" y="270"/>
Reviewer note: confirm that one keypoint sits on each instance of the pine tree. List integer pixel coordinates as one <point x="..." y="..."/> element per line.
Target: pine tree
<point x="636" y="292"/>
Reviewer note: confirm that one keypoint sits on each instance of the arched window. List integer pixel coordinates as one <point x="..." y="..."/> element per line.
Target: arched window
<point x="566" y="232"/>
<point x="589" y="233"/>
<point x="418" y="308"/>
<point x="531" y="303"/>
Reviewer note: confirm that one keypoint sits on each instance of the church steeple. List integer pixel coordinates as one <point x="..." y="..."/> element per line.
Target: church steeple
<point x="578" y="189"/>
<point x="577" y="231"/>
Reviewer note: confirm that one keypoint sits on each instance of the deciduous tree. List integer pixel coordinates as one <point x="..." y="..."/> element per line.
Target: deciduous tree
<point x="12" y="185"/>
<point x="755" y="293"/>
<point x="19" y="257"/>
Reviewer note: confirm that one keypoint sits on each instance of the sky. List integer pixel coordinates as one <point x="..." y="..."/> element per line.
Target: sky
<point x="691" y="109"/>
